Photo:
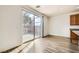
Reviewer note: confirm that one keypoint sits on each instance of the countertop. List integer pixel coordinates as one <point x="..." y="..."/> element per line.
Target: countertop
<point x="74" y="29"/>
<point x="76" y="32"/>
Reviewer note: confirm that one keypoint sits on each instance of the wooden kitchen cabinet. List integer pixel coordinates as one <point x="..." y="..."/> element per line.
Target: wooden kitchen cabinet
<point x="77" y="19"/>
<point x="74" y="38"/>
<point x="74" y="19"/>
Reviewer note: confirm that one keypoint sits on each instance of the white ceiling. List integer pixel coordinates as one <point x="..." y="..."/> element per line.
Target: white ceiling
<point x="52" y="10"/>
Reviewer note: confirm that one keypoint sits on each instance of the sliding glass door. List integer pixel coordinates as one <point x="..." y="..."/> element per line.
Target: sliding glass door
<point x="32" y="26"/>
<point x="38" y="27"/>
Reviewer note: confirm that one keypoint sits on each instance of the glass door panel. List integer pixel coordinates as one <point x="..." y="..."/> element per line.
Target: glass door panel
<point x="28" y="26"/>
<point x="38" y="26"/>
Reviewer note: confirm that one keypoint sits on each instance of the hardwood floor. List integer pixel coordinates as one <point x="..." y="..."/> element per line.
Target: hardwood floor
<point x="54" y="45"/>
<point x="51" y="45"/>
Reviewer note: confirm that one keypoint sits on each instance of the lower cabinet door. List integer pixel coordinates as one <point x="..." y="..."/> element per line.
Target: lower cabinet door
<point x="74" y="41"/>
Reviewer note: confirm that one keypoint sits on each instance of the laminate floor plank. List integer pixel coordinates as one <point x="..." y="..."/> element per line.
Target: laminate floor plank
<point x="51" y="45"/>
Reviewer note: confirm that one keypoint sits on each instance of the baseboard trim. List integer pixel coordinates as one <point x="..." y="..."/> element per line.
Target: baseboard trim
<point x="9" y="50"/>
<point x="45" y="36"/>
<point x="57" y="36"/>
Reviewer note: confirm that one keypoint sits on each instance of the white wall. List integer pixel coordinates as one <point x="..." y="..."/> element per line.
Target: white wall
<point x="60" y="25"/>
<point x="10" y="27"/>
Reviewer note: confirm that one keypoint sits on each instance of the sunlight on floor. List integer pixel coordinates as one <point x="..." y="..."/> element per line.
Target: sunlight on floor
<point x="27" y="37"/>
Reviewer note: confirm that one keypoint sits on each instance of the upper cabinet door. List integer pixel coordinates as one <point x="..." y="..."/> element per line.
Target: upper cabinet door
<point x="77" y="19"/>
<point x="74" y="19"/>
